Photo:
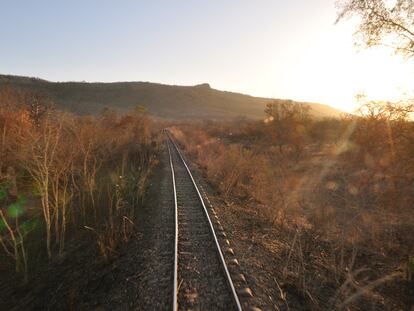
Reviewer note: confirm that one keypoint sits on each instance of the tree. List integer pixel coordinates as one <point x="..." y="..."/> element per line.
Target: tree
<point x="109" y="116"/>
<point x="38" y="157"/>
<point x="288" y="122"/>
<point x="38" y="106"/>
<point x="139" y="109"/>
<point x="380" y="131"/>
<point x="384" y="110"/>
<point x="382" y="23"/>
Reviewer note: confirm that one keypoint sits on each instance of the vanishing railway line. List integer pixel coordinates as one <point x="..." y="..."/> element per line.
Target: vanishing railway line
<point x="202" y="279"/>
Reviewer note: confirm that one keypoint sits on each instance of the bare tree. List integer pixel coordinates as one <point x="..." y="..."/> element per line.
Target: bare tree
<point x="384" y="110"/>
<point x="37" y="105"/>
<point x="39" y="159"/>
<point x="382" y="23"/>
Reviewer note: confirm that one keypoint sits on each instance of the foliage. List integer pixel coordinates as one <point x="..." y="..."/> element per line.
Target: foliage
<point x="344" y="206"/>
<point x="288" y="122"/>
<point x="71" y="173"/>
<point x="383" y="23"/>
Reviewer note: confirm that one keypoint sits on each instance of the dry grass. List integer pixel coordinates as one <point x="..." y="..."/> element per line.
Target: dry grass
<point x="344" y="212"/>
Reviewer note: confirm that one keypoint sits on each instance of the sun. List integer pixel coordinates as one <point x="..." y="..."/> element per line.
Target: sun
<point x="333" y="71"/>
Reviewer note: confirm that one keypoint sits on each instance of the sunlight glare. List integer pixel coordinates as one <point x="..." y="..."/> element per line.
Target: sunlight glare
<point x="333" y="71"/>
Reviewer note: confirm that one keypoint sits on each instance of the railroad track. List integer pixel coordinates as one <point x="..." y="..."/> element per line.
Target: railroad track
<point x="202" y="279"/>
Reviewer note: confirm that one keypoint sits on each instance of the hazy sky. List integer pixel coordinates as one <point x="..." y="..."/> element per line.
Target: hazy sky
<point x="272" y="48"/>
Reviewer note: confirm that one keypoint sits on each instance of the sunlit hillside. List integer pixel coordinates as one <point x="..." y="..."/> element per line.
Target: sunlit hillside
<point x="167" y="101"/>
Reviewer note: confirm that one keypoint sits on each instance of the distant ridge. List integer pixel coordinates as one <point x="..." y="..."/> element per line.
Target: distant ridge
<point x="166" y="101"/>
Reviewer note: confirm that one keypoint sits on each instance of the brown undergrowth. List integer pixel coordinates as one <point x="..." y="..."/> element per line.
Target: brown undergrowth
<point x="341" y="203"/>
<point x="65" y="177"/>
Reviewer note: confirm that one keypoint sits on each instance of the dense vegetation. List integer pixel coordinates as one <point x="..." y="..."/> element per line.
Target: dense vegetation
<point x="338" y="191"/>
<point x="167" y="101"/>
<point x="64" y="177"/>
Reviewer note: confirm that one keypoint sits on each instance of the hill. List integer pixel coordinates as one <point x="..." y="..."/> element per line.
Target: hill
<point x="168" y="101"/>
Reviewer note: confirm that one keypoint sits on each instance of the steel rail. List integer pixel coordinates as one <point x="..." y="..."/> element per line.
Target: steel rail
<point x="220" y="253"/>
<point x="175" y="297"/>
